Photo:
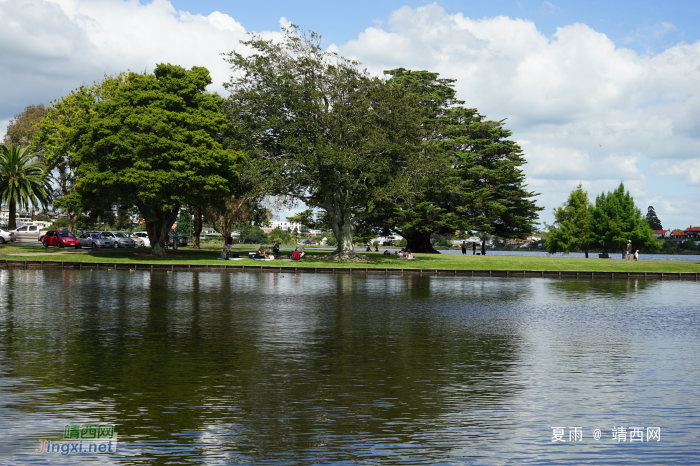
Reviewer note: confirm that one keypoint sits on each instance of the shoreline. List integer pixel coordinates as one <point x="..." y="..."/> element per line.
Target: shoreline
<point x="151" y="267"/>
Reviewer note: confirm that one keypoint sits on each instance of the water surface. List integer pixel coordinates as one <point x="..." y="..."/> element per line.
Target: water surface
<point x="239" y="368"/>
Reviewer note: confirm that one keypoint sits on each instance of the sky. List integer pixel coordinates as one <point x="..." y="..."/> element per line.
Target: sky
<point x="595" y="92"/>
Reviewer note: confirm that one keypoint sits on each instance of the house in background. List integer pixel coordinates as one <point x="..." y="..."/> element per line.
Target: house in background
<point x="662" y="233"/>
<point x="692" y="233"/>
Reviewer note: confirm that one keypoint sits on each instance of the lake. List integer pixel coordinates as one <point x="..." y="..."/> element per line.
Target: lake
<point x="578" y="255"/>
<point x="284" y="369"/>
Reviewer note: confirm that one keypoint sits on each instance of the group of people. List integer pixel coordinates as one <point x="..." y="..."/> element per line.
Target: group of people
<point x="483" y="248"/>
<point x="403" y="254"/>
<point x="297" y="254"/>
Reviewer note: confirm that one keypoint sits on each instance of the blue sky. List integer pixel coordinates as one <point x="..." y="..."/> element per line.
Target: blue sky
<point x="633" y="24"/>
<point x="595" y="92"/>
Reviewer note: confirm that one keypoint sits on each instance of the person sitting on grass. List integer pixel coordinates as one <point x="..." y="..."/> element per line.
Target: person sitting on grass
<point x="301" y="253"/>
<point x="386" y="252"/>
<point x="402" y="254"/>
<point x="261" y="253"/>
<point x="409" y="254"/>
<point x="296" y="255"/>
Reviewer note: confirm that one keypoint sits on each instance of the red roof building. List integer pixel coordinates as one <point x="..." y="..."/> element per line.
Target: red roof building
<point x="692" y="232"/>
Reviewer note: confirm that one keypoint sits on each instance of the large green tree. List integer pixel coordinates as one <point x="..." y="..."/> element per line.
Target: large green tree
<point x="572" y="225"/>
<point x="473" y="172"/>
<point x="616" y="219"/>
<point x="24" y="126"/>
<point x="653" y="220"/>
<point x="22" y="181"/>
<point x="154" y="145"/>
<point x="320" y="129"/>
<point x="57" y="142"/>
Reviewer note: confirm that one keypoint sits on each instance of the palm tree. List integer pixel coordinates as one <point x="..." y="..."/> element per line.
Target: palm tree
<point x="22" y="181"/>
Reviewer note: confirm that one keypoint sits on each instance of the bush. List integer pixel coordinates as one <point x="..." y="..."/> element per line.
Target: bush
<point x="688" y="245"/>
<point x="252" y="234"/>
<point x="402" y="243"/>
<point x="60" y="224"/>
<point x="283" y="237"/>
<point x="443" y="243"/>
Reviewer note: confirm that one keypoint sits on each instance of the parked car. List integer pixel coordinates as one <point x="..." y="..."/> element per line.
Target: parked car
<point x="61" y="239"/>
<point x="120" y="239"/>
<point x="181" y="240"/>
<point x="95" y="240"/>
<point x="140" y="243"/>
<point x="144" y="236"/>
<point x="28" y="233"/>
<point x="6" y="236"/>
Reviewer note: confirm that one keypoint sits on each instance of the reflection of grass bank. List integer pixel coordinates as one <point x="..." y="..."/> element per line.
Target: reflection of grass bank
<point x="425" y="261"/>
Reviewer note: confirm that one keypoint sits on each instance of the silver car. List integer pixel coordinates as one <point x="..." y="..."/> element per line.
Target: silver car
<point x="6" y="236"/>
<point x="139" y="241"/>
<point x="95" y="240"/>
<point x="120" y="239"/>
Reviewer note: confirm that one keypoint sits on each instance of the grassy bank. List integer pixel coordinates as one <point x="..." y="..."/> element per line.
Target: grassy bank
<point x="426" y="261"/>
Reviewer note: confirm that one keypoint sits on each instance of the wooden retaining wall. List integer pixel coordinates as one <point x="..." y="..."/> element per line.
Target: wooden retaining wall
<point x="29" y="264"/>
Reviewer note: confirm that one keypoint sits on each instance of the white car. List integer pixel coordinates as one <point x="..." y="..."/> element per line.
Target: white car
<point x="6" y="236"/>
<point x="144" y="236"/>
<point x="28" y="233"/>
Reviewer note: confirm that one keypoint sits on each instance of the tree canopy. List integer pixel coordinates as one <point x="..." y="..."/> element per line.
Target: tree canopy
<point x="572" y="225"/>
<point x="24" y="126"/>
<point x="615" y="220"/>
<point x="57" y="142"/>
<point x="653" y="220"/>
<point x="22" y="181"/>
<point x="322" y="130"/>
<point x="473" y="178"/>
<point x="153" y="144"/>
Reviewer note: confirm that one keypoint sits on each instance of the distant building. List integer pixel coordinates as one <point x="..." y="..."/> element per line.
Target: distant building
<point x="662" y="233"/>
<point x="693" y="232"/>
<point x="289" y="226"/>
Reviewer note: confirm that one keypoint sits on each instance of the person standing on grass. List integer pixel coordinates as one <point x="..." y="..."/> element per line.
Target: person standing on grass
<point x="473" y="249"/>
<point x="483" y="247"/>
<point x="636" y="255"/>
<point x="276" y="249"/>
<point x="229" y="242"/>
<point x="629" y="250"/>
<point x="464" y="247"/>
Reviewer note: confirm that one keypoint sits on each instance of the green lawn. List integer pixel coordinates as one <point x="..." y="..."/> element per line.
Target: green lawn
<point x="427" y="261"/>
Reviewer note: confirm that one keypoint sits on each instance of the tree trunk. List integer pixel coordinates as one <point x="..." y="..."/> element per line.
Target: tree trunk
<point x="72" y="218"/>
<point x="12" y="221"/>
<point x="197" y="227"/>
<point x="419" y="242"/>
<point x="159" y="228"/>
<point x="343" y="228"/>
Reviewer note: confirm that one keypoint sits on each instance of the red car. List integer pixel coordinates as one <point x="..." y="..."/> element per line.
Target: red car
<point x="60" y="238"/>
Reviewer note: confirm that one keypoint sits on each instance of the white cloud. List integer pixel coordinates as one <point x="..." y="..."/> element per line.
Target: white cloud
<point x="567" y="95"/>
<point x="50" y="47"/>
<point x="688" y="170"/>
